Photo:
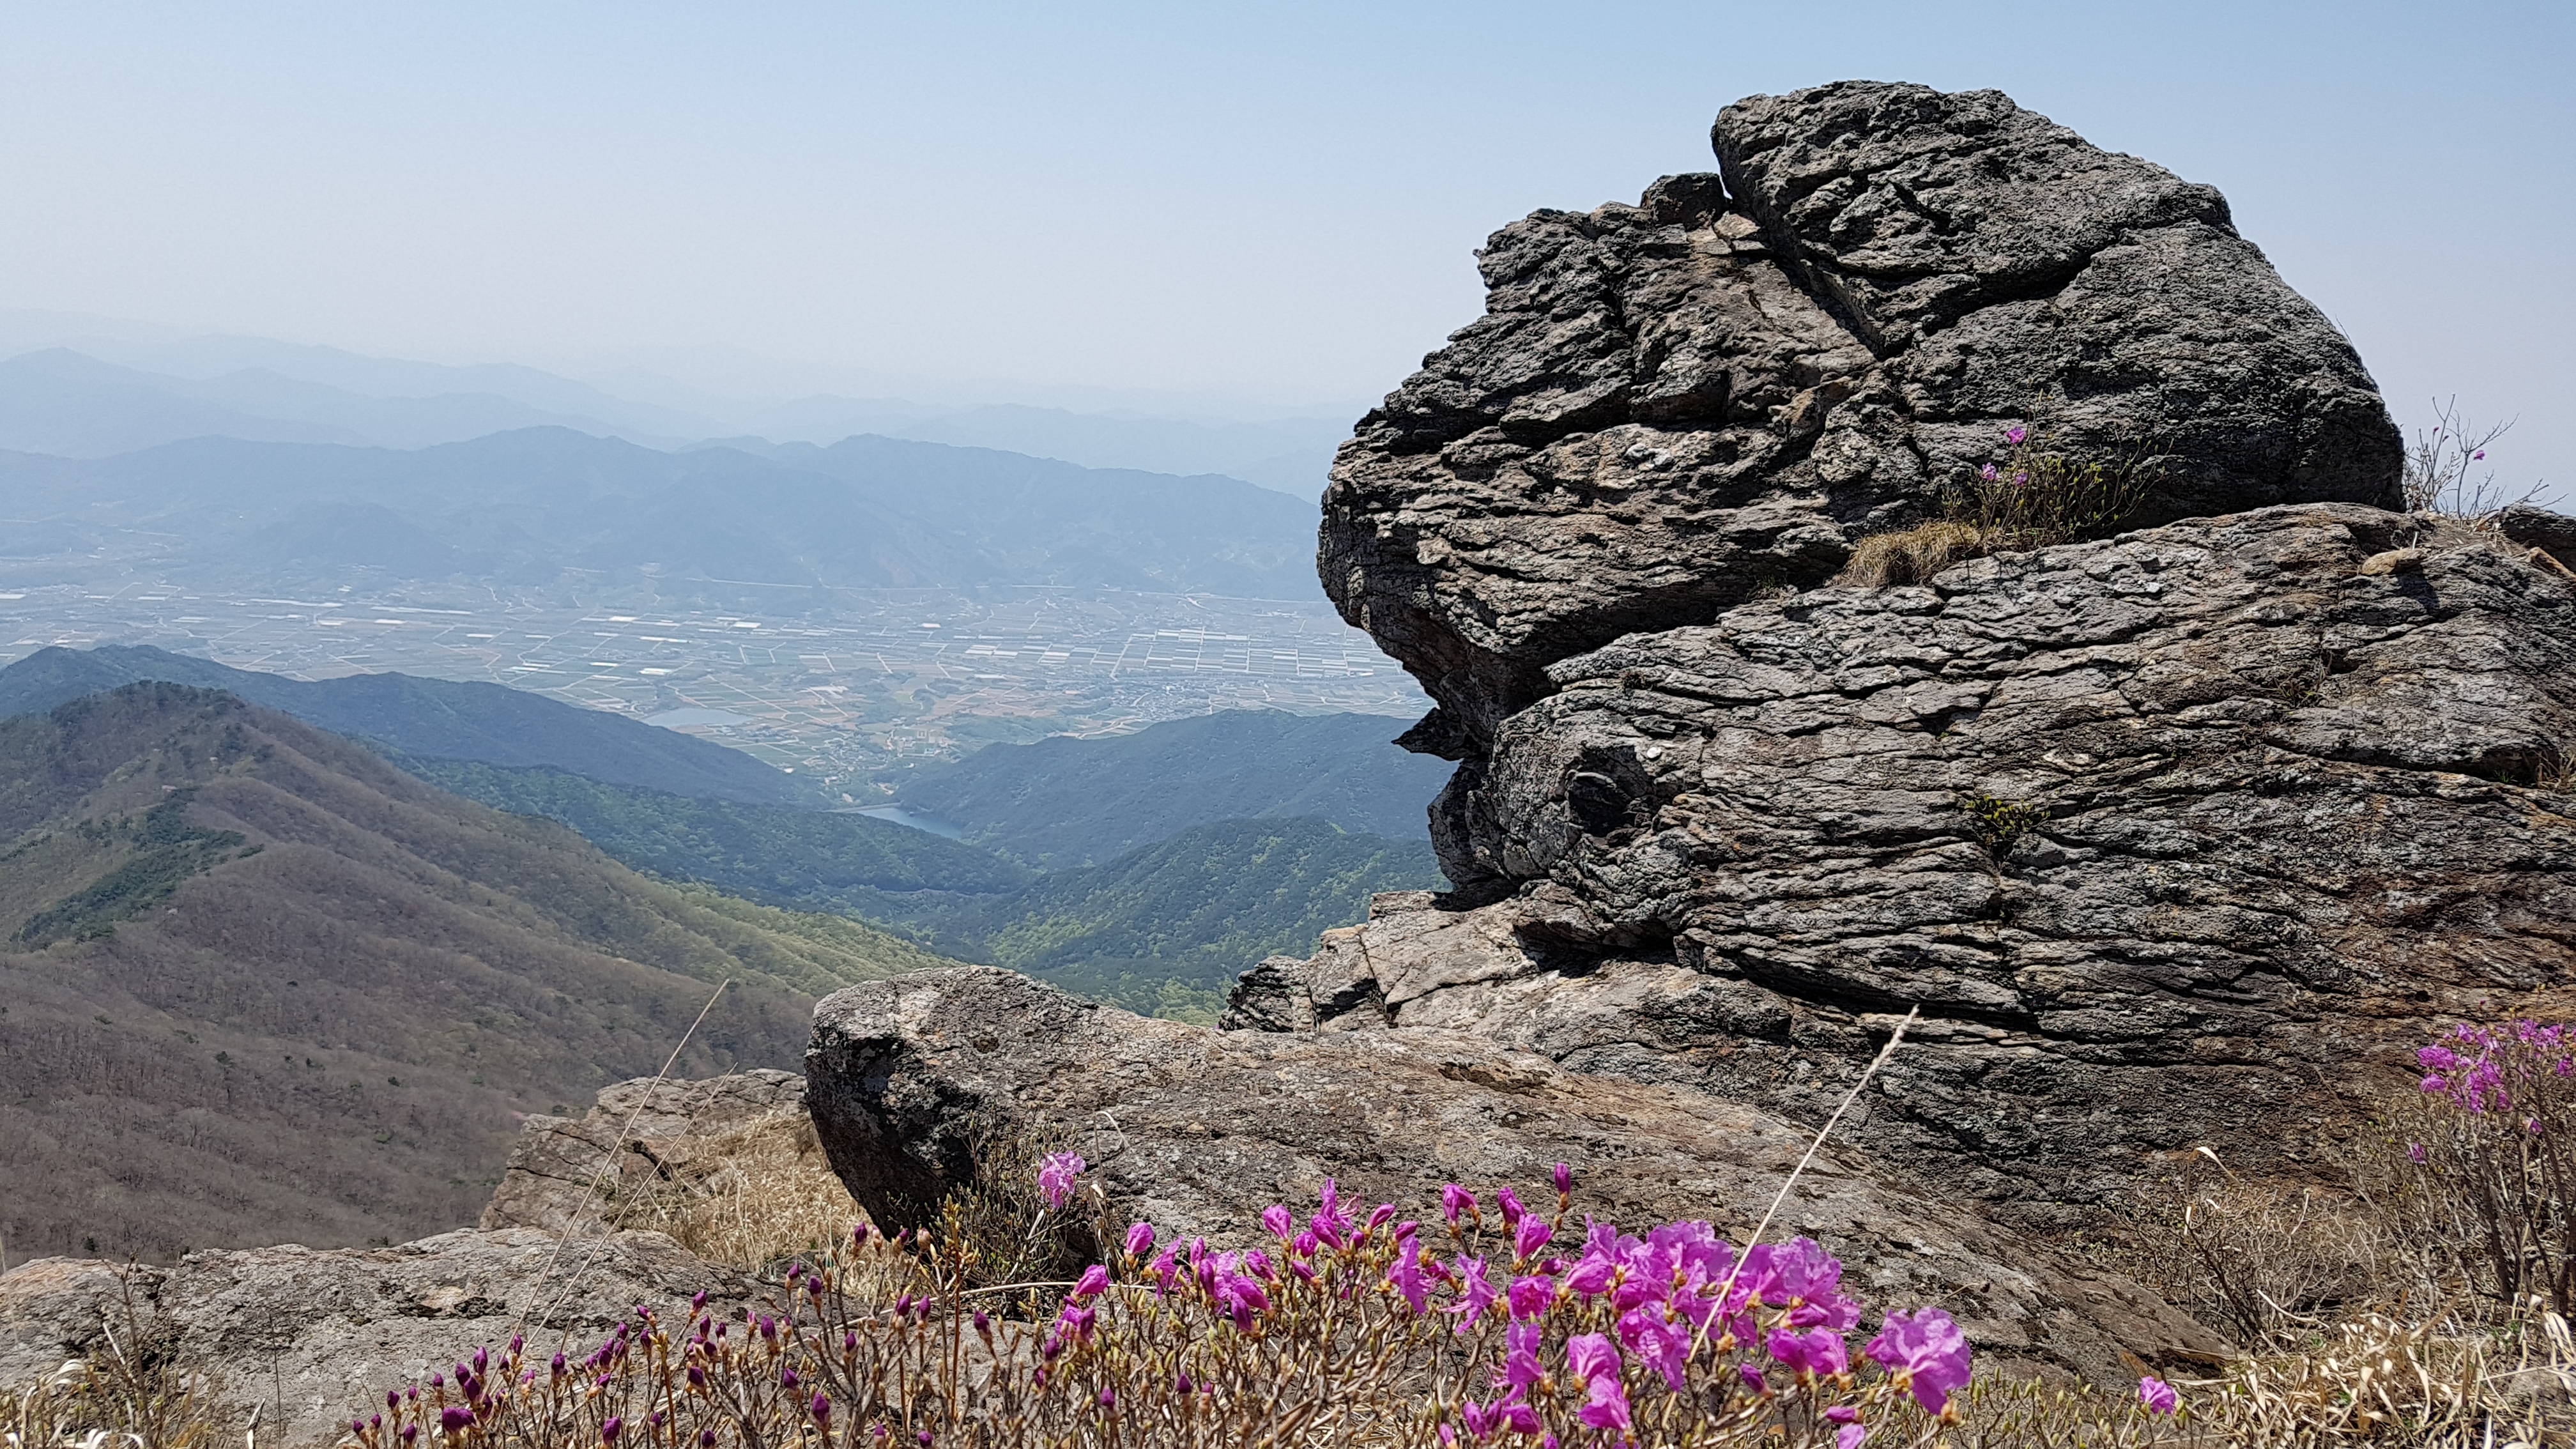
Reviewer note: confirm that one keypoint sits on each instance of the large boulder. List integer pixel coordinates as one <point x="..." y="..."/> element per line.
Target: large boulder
<point x="308" y="1337"/>
<point x="1196" y="1130"/>
<point x="1670" y="407"/>
<point x="2178" y="839"/>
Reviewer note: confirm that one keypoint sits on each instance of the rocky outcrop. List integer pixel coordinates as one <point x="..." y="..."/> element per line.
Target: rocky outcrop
<point x="307" y="1337"/>
<point x="1197" y="1130"/>
<point x="2177" y="839"/>
<point x="1672" y="406"/>
<point x="571" y="1174"/>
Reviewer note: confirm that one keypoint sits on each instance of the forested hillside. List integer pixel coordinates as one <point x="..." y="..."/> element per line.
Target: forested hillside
<point x="259" y="984"/>
<point x="1072" y="802"/>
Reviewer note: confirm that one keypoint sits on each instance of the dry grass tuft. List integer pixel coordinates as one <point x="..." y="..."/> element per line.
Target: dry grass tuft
<point x="1912" y="556"/>
<point x="749" y="1197"/>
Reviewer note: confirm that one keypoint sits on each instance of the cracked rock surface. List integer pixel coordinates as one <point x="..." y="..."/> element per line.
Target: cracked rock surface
<point x="1671" y="406"/>
<point x="1196" y="1130"/>
<point x="568" y="1174"/>
<point x="2178" y="838"/>
<point x="309" y="1336"/>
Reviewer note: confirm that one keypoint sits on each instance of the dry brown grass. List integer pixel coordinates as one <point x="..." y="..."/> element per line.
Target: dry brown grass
<point x="749" y="1197"/>
<point x="1911" y="556"/>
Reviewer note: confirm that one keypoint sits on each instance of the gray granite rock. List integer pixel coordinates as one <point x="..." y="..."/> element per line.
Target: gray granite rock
<point x="1669" y="407"/>
<point x="1196" y="1130"/>
<point x="2182" y="838"/>
<point x="310" y="1337"/>
<point x="570" y="1174"/>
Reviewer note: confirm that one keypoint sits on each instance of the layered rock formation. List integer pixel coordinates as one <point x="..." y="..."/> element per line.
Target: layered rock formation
<point x="2178" y="838"/>
<point x="1670" y="406"/>
<point x="1197" y="1130"/>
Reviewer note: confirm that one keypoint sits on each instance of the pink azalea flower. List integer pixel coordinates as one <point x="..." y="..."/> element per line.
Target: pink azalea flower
<point x="1596" y="1363"/>
<point x="1055" y="1177"/>
<point x="1521" y="1368"/>
<point x="1819" y="1352"/>
<point x="1925" y="1352"/>
<point x="1532" y="1235"/>
<point x="1093" y="1283"/>
<point x="2157" y="1395"/>
<point x="1140" y="1239"/>
<point x="1275" y="1217"/>
<point x="1476" y="1292"/>
<point x="1455" y="1200"/>
<point x="1531" y="1297"/>
<point x="1406" y="1275"/>
<point x="2015" y="434"/>
<point x="1658" y="1342"/>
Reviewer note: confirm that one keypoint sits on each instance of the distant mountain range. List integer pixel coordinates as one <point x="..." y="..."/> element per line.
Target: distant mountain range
<point x="257" y="984"/>
<point x="1067" y="802"/>
<point x="437" y="718"/>
<point x="538" y="505"/>
<point x="1172" y="858"/>
<point x="105" y="397"/>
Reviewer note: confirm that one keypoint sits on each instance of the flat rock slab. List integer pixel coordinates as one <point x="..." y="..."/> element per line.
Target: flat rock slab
<point x="1196" y="1130"/>
<point x="317" y="1336"/>
<point x="569" y="1174"/>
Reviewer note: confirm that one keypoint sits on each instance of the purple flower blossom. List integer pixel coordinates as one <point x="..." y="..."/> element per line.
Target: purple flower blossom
<point x="1532" y="1235"/>
<point x="1926" y="1352"/>
<point x="1591" y="1358"/>
<point x="1658" y="1342"/>
<point x="1279" y="1221"/>
<point x="2015" y="434"/>
<point x="1818" y="1352"/>
<point x="1521" y="1367"/>
<point x="1531" y="1297"/>
<point x="821" y="1409"/>
<point x="1140" y="1239"/>
<point x="2157" y="1395"/>
<point x="1329" y="1223"/>
<point x="1406" y="1277"/>
<point x="1093" y="1283"/>
<point x="1849" y="1436"/>
<point x="1510" y="1203"/>
<point x="1476" y="1292"/>
<point x="1056" y="1173"/>
<point x="455" y="1419"/>
<point x="1564" y="1177"/>
<point x="1455" y="1200"/>
<point x="608" y="1431"/>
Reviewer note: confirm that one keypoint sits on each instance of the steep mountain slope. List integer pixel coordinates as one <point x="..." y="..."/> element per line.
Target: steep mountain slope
<point x="1071" y="802"/>
<point x="438" y="718"/>
<point x="527" y="506"/>
<point x="260" y="985"/>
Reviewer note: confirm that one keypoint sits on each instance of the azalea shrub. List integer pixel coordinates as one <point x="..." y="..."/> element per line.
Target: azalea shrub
<point x="1485" y="1322"/>
<point x="2488" y="1143"/>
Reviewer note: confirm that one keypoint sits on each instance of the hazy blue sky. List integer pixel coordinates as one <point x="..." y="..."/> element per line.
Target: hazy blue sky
<point x="1276" y="201"/>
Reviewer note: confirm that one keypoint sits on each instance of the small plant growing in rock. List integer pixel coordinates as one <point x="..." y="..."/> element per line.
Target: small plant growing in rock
<point x="2437" y="471"/>
<point x="2030" y="499"/>
<point x="1998" y="822"/>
